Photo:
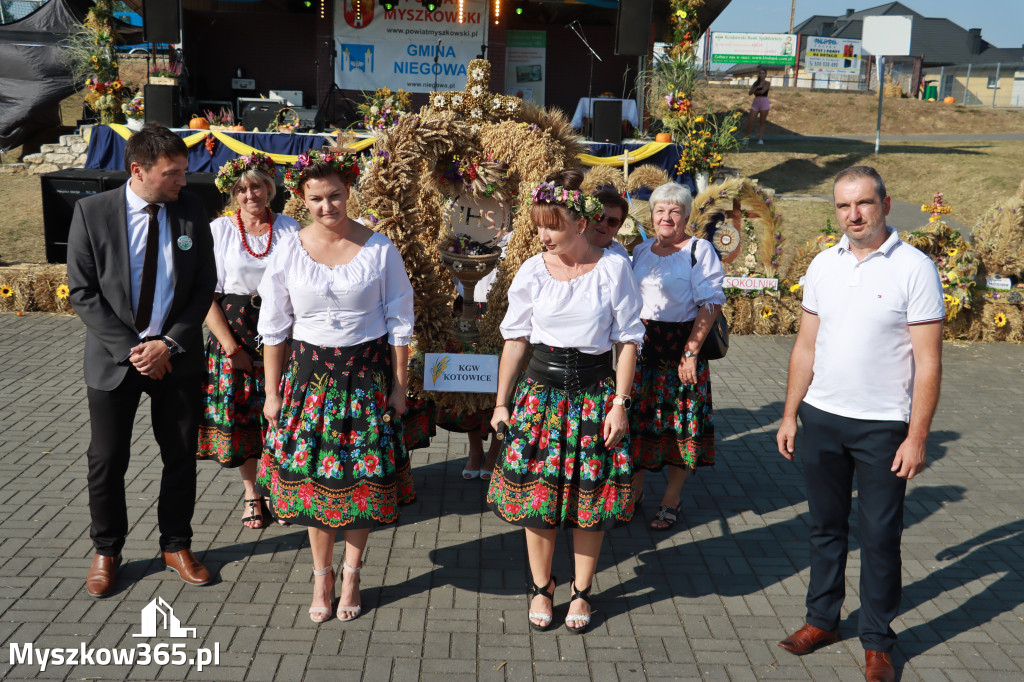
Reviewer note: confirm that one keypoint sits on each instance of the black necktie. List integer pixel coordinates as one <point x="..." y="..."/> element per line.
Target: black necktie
<point x="148" y="286"/>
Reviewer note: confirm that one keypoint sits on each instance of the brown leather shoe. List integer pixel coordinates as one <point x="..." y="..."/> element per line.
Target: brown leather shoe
<point x="187" y="566"/>
<point x="100" y="581"/>
<point x="878" y="667"/>
<point x="807" y="639"/>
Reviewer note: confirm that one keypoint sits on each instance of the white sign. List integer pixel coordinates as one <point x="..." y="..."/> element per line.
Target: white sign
<point x="460" y="373"/>
<point x="751" y="283"/>
<point x="832" y="55"/>
<point x="770" y="49"/>
<point x="1003" y="283"/>
<point x="887" y="36"/>
<point x="407" y="48"/>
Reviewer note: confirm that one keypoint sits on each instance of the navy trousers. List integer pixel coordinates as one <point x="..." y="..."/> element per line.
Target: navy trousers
<point x="832" y="450"/>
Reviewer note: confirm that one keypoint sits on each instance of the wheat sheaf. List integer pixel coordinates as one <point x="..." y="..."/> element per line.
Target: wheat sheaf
<point x="439" y="367"/>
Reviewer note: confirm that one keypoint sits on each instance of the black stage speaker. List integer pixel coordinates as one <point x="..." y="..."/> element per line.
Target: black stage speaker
<point x="112" y="179"/>
<point x="160" y="21"/>
<point x="607" y="120"/>
<point x="633" y="27"/>
<point x="163" y="104"/>
<point x="61" y="189"/>
<point x="203" y="185"/>
<point x="259" y="114"/>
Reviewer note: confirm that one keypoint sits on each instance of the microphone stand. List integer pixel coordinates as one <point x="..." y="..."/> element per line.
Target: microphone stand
<point x="437" y="52"/>
<point x="575" y="27"/>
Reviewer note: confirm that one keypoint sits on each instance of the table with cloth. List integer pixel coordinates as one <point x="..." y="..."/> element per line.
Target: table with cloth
<point x="584" y="109"/>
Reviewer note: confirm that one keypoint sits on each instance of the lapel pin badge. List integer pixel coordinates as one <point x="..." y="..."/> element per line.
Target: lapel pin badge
<point x="184" y="242"/>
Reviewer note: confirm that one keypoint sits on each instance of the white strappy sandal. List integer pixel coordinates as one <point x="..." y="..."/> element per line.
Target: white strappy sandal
<point x="320" y="614"/>
<point x="350" y="612"/>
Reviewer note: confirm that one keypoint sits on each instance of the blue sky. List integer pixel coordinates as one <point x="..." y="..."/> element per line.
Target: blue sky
<point x="1001" y="21"/>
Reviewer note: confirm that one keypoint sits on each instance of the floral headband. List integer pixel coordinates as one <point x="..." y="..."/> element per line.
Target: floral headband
<point x="231" y="171"/>
<point x="583" y="204"/>
<point x="347" y="165"/>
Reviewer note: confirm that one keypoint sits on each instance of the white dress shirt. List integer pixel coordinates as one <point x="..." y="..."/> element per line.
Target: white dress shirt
<point x="138" y="232"/>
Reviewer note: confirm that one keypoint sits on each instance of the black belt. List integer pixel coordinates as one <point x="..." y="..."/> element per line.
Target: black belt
<point x="567" y="369"/>
<point x="252" y="299"/>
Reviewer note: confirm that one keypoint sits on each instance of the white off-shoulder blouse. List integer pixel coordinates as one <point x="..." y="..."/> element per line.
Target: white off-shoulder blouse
<point x="591" y="312"/>
<point x="672" y="290"/>
<point x="337" y="306"/>
<point x="238" y="272"/>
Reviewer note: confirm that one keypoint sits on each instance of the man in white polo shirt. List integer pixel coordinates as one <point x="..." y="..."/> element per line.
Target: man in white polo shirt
<point x="864" y="380"/>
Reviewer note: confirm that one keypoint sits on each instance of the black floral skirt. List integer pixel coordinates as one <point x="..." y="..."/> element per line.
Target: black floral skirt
<point x="232" y="427"/>
<point x="555" y="471"/>
<point x="334" y="462"/>
<point x="670" y="423"/>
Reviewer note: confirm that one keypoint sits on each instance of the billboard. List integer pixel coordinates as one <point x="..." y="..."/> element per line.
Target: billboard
<point x="770" y="49"/>
<point x="407" y="47"/>
<point x="525" y="59"/>
<point x="832" y="55"/>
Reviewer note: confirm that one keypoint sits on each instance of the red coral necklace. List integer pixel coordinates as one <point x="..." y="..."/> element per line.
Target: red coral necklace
<point x="270" y="233"/>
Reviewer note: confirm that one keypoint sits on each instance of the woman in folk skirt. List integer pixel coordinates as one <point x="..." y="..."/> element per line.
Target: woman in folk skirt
<point x="680" y="281"/>
<point x="340" y="292"/>
<point x="566" y="461"/>
<point x="233" y="426"/>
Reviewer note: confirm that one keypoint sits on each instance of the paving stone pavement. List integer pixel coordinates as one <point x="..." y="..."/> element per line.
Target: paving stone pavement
<point x="443" y="590"/>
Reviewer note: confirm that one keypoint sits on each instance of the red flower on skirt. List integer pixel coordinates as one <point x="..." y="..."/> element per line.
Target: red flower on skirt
<point x="333" y="515"/>
<point x="512" y="508"/>
<point x="584" y="515"/>
<point x="329" y="464"/>
<point x="313" y="401"/>
<point x="512" y="457"/>
<point x="532" y="403"/>
<point x="387" y="509"/>
<point x="563" y="407"/>
<point x="595" y="467"/>
<point x="360" y="495"/>
<point x="306" y="494"/>
<point x="621" y="459"/>
<point x="372" y="464"/>
<point x="588" y="408"/>
<point x="545" y="437"/>
<point x="535" y="466"/>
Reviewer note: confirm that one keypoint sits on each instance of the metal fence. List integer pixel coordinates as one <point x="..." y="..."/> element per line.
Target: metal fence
<point x="992" y="85"/>
<point x="12" y="10"/>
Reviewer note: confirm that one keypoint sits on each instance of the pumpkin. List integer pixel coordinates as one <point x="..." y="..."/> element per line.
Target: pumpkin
<point x="949" y="100"/>
<point x="199" y="123"/>
<point x="238" y="128"/>
<point x="663" y="137"/>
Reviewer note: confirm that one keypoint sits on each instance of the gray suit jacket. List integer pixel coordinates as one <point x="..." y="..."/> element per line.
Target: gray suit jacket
<point x="99" y="278"/>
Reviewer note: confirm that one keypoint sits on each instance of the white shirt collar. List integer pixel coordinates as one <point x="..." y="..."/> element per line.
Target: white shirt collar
<point x="891" y="241"/>
<point x="136" y="204"/>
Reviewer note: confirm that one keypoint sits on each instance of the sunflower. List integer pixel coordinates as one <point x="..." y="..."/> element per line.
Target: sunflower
<point x="952" y="252"/>
<point x="6" y="291"/>
<point x="62" y="291"/>
<point x="1000" y="320"/>
<point x="767" y="312"/>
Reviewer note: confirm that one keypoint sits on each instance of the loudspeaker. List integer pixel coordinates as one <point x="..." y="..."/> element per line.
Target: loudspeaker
<point x="203" y="185"/>
<point x="259" y="114"/>
<point x="633" y="27"/>
<point x="163" y="104"/>
<point x="61" y="189"/>
<point x="160" y="21"/>
<point x="114" y="179"/>
<point x="607" y="120"/>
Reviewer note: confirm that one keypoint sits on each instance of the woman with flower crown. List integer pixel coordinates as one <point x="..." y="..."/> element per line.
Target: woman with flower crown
<point x="680" y="280"/>
<point x="334" y="457"/>
<point x="566" y="459"/>
<point x="233" y="426"/>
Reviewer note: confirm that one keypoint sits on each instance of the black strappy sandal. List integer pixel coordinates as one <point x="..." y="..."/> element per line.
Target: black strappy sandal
<point x="255" y="505"/>
<point x="579" y="618"/>
<point x="537" y="590"/>
<point x="666" y="515"/>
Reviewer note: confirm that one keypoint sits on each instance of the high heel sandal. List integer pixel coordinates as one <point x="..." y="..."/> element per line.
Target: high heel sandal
<point x="324" y="611"/>
<point x="578" y="618"/>
<point x="539" y="591"/>
<point x="352" y="612"/>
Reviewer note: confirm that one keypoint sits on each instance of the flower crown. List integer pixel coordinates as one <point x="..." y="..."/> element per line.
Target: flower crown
<point x="229" y="173"/>
<point x="583" y="204"/>
<point x="347" y="165"/>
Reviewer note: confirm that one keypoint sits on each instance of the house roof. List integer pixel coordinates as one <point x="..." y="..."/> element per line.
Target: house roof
<point x="937" y="39"/>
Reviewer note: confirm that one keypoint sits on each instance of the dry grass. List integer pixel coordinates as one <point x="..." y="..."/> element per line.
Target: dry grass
<point x="835" y="112"/>
<point x="21" y="220"/>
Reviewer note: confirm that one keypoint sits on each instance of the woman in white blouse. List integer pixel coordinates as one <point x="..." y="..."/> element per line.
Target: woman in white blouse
<point x="566" y="461"/>
<point x="340" y="293"/>
<point x="680" y="280"/>
<point x="232" y="428"/>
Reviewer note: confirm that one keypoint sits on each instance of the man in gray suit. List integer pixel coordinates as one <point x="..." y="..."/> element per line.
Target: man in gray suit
<point x="141" y="272"/>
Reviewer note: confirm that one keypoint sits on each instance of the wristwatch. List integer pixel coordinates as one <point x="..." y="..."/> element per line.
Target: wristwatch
<point x="689" y="354"/>
<point x="623" y="400"/>
<point x="172" y="348"/>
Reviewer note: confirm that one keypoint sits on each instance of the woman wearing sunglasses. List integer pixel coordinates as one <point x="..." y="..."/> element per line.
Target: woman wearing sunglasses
<point x="601" y="233"/>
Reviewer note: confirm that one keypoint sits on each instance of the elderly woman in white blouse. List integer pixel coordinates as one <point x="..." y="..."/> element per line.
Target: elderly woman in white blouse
<point x="334" y="460"/>
<point x="232" y="428"/>
<point x="680" y="280"/>
<point x="566" y="462"/>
